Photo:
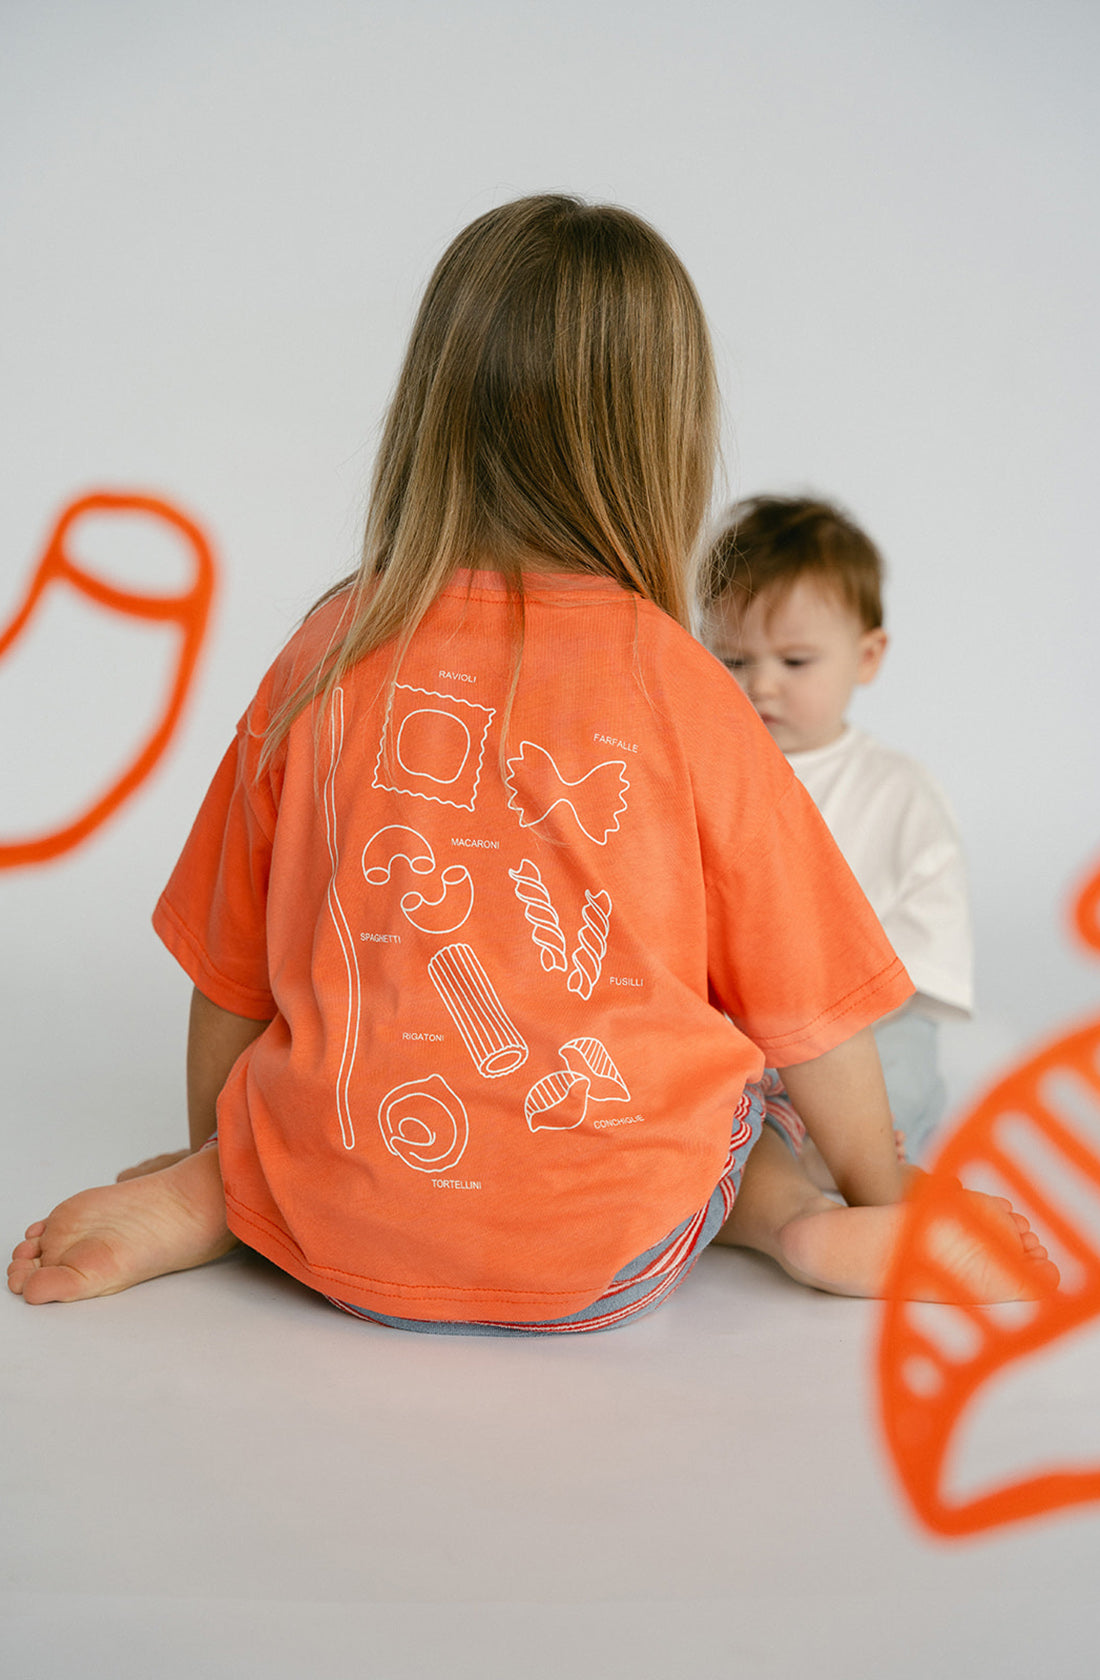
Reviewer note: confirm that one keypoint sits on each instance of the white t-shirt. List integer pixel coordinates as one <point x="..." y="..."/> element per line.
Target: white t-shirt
<point x="895" y="828"/>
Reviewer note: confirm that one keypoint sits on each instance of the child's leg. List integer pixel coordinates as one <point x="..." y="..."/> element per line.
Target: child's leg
<point x="848" y="1250"/>
<point x="106" y="1239"/>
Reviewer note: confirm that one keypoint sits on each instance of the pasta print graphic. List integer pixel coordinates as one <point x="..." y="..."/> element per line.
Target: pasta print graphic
<point x="591" y="944"/>
<point x="424" y="1123"/>
<point x="536" y="787"/>
<point x="559" y="1102"/>
<point x="477" y="1012"/>
<point x="539" y="911"/>
<point x="432" y="746"/>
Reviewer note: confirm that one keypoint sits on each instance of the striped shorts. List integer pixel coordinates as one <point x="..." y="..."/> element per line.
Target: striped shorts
<point x="649" y="1280"/>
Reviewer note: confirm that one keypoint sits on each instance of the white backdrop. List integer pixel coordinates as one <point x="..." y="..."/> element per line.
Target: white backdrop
<point x="217" y="219"/>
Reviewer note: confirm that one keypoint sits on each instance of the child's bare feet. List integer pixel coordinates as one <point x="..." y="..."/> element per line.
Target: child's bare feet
<point x="155" y="1163"/>
<point x="983" y="1251"/>
<point x="980" y="1250"/>
<point x="104" y="1240"/>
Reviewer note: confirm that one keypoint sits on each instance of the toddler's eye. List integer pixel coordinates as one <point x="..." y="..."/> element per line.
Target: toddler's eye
<point x="795" y="664"/>
<point x="735" y="664"/>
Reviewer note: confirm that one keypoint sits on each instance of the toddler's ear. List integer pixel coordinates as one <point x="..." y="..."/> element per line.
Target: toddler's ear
<point x="872" y="647"/>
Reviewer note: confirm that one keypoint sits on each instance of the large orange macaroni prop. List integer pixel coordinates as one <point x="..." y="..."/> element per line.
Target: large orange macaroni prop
<point x="189" y="610"/>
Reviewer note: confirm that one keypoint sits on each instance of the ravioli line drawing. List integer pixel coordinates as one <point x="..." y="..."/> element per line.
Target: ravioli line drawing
<point x="340" y="923"/>
<point x="432" y="751"/>
<point x="597" y="799"/>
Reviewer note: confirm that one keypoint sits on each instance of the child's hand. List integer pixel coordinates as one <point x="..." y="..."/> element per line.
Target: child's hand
<point x="156" y="1163"/>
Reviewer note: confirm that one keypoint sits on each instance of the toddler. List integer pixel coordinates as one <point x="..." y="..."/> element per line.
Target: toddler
<point x="502" y="896"/>
<point x="794" y="610"/>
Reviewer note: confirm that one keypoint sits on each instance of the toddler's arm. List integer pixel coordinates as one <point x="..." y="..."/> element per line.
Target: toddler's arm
<point x="215" y="1038"/>
<point x="841" y="1098"/>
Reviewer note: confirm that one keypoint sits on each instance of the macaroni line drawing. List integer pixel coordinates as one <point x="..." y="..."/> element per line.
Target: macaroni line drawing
<point x="340" y="923"/>
<point x="539" y="911"/>
<point x="432" y="746"/>
<point x="425" y="1124"/>
<point x="591" y="944"/>
<point x="477" y="1012"/>
<point x="392" y="843"/>
<point x="446" y="913"/>
<point x="536" y="787"/>
<point x="188" y="611"/>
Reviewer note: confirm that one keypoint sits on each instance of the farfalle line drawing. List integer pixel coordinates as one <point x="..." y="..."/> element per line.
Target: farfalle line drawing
<point x="536" y="787"/>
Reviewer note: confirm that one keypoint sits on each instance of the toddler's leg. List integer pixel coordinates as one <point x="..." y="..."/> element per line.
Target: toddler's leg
<point x="104" y="1240"/>
<point x="848" y="1250"/>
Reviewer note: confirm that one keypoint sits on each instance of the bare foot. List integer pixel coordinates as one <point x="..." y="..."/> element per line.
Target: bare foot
<point x="980" y="1251"/>
<point x="103" y="1240"/>
<point x="155" y="1163"/>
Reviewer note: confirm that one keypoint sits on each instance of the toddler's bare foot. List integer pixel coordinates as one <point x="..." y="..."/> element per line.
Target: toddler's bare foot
<point x="155" y="1163"/>
<point x="981" y="1250"/>
<point x="104" y="1240"/>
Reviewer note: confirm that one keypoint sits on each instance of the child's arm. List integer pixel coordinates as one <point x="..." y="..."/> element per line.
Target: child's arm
<point x="215" y="1038"/>
<point x="841" y="1098"/>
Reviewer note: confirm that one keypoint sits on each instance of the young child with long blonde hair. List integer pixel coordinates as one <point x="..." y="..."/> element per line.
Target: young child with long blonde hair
<point x="503" y="896"/>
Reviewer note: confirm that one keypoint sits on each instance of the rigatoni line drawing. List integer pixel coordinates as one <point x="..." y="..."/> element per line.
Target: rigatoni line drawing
<point x="587" y="957"/>
<point x="546" y="932"/>
<point x="489" y="1035"/>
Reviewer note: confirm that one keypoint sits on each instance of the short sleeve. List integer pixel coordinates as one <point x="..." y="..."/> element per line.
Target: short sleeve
<point x="212" y="914"/>
<point x="796" y="956"/>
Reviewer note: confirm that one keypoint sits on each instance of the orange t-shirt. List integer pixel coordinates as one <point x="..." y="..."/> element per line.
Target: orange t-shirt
<point x="512" y="1009"/>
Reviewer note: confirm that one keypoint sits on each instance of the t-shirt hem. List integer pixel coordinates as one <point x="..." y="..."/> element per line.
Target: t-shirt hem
<point x="881" y="995"/>
<point x="430" y="1302"/>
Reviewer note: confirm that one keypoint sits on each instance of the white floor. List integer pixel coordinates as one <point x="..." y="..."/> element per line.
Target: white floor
<point x="218" y="1475"/>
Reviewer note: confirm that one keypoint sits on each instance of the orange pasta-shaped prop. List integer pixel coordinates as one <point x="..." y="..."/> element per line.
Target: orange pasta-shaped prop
<point x="187" y="610"/>
<point x="1036" y="1136"/>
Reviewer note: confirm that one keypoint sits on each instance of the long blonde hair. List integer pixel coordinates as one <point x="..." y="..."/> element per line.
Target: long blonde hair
<point x="557" y="401"/>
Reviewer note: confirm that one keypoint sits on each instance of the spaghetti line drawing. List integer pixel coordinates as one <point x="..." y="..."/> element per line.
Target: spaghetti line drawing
<point x="340" y="924"/>
<point x="1027" y="1134"/>
<point x="546" y="932"/>
<point x="432" y="746"/>
<point x="491" y="1038"/>
<point x="424" y="1123"/>
<point x="187" y="610"/>
<point x="591" y="947"/>
<point x="536" y="787"/>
